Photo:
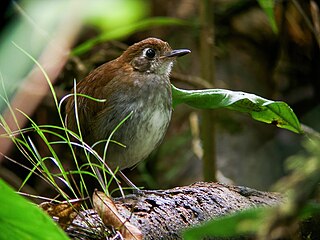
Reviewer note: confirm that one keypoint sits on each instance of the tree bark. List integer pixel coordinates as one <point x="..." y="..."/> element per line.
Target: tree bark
<point x="163" y="214"/>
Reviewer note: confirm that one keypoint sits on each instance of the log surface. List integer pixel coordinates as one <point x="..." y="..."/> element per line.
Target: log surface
<point x="163" y="214"/>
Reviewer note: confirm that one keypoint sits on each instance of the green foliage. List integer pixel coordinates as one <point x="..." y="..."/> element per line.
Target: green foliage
<point x="260" y="109"/>
<point x="20" y="219"/>
<point x="267" y="6"/>
<point x="65" y="137"/>
<point x="126" y="31"/>
<point x="109" y="14"/>
<point x="298" y="188"/>
<point x="244" y="222"/>
<point x="44" y="20"/>
<point x="247" y="222"/>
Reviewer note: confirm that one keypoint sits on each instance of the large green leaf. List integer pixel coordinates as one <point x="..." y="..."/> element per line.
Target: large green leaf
<point x="261" y="109"/>
<point x="20" y="219"/>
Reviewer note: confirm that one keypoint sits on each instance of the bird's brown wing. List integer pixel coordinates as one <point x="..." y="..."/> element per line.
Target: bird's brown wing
<point x="94" y="85"/>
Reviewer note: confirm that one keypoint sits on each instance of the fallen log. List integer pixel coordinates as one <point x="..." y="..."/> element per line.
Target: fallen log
<point x="164" y="214"/>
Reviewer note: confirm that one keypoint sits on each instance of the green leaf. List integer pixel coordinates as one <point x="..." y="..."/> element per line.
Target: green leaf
<point x="248" y="221"/>
<point x="267" y="6"/>
<point x="20" y="219"/>
<point x="309" y="210"/>
<point x="240" y="223"/>
<point x="260" y="109"/>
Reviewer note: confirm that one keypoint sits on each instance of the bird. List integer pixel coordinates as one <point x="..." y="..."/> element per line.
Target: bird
<point x="136" y="86"/>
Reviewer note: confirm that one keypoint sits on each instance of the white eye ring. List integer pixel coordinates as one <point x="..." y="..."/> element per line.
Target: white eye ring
<point x="149" y="53"/>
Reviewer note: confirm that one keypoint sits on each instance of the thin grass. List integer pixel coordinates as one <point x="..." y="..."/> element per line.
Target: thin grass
<point x="95" y="166"/>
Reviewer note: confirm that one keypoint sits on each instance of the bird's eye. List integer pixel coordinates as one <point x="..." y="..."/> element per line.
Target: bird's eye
<point x="150" y="52"/>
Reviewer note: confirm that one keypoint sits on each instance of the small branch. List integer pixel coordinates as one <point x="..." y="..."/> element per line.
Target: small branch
<point x="207" y="73"/>
<point x="194" y="81"/>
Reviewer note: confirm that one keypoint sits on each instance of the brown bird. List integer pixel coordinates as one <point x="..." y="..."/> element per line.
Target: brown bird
<point x="135" y="83"/>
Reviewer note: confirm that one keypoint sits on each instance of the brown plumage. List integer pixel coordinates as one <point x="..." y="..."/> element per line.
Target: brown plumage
<point x="137" y="82"/>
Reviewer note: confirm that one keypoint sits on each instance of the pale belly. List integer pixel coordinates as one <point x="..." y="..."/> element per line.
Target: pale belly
<point x="144" y="133"/>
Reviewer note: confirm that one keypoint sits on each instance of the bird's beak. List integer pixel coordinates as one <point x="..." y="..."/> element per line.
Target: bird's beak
<point x="177" y="53"/>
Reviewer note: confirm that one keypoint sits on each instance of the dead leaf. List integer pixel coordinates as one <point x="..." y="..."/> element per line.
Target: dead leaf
<point x="64" y="212"/>
<point x="110" y="216"/>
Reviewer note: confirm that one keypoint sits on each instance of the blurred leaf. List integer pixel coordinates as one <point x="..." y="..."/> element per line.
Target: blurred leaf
<point x="110" y="14"/>
<point x="34" y="26"/>
<point x="309" y="210"/>
<point x="268" y="8"/>
<point x="260" y="109"/>
<point x="283" y="220"/>
<point x="127" y="30"/>
<point x="20" y="219"/>
<point x="240" y="223"/>
<point x="299" y="187"/>
<point x="244" y="222"/>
